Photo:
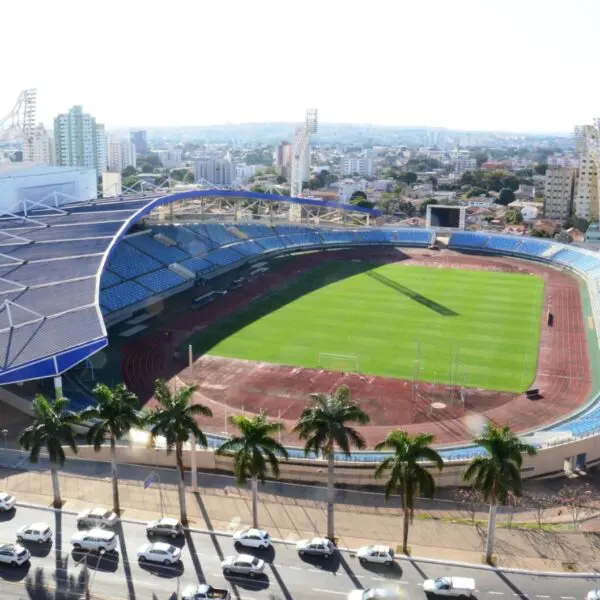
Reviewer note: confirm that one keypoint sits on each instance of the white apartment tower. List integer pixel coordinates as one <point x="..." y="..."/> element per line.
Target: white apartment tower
<point x="362" y="165"/>
<point x="79" y="141"/>
<point x="39" y="148"/>
<point x="120" y="154"/>
<point x="219" y="172"/>
<point x="558" y="195"/>
<point x="587" y="191"/>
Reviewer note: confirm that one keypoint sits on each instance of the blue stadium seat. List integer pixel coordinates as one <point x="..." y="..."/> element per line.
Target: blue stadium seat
<point x="108" y="279"/>
<point x="533" y="247"/>
<point x="197" y="265"/>
<point x="186" y="239"/>
<point x="504" y="244"/>
<point x="256" y="231"/>
<point x="167" y="255"/>
<point x="271" y="243"/>
<point x="161" y="280"/>
<point x="214" y="232"/>
<point x="128" y="263"/>
<point x="247" y="248"/>
<point x="464" y="239"/>
<point x="221" y="257"/>
<point x="123" y="295"/>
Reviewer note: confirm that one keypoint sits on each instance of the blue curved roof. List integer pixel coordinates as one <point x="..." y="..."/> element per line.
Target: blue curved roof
<point x="50" y="266"/>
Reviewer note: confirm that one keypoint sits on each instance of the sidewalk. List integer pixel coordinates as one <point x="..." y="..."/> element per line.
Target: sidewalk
<point x="291" y="519"/>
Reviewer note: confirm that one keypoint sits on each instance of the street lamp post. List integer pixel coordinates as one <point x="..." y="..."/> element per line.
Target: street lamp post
<point x="5" y="433"/>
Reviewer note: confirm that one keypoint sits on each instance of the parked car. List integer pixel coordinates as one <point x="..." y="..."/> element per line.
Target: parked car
<point x="449" y="586"/>
<point x="165" y="527"/>
<point x="375" y="594"/>
<point x="97" y="517"/>
<point x="316" y="547"/>
<point x="14" y="554"/>
<point x="7" y="502"/>
<point x="95" y="540"/>
<point x="36" y="532"/>
<point x="204" y="591"/>
<point x="252" y="538"/>
<point x="159" y="552"/>
<point x="593" y="595"/>
<point x="382" y="555"/>
<point x="243" y="564"/>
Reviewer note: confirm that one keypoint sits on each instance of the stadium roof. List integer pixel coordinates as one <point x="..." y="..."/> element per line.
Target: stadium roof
<point x="50" y="266"/>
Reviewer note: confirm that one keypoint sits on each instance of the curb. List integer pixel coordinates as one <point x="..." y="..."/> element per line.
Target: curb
<point x="399" y="558"/>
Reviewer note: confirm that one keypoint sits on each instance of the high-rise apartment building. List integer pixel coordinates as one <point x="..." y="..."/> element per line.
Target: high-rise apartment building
<point x="39" y="147"/>
<point x="140" y="141"/>
<point x="170" y="158"/>
<point x="219" y="172"/>
<point x="283" y="158"/>
<point x="361" y="165"/>
<point x="587" y="192"/>
<point x="558" y="194"/>
<point x="79" y="141"/>
<point x="120" y="154"/>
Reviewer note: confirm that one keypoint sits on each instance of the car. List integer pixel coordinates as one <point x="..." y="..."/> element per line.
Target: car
<point x="7" y="502"/>
<point x="375" y="594"/>
<point x="382" y="555"/>
<point x="593" y="595"/>
<point x="97" y="517"/>
<point x="252" y="538"/>
<point x="164" y="527"/>
<point x="36" y="532"/>
<point x="449" y="586"/>
<point x="204" y="591"/>
<point x="159" y="552"/>
<point x="95" y="540"/>
<point x="243" y="564"/>
<point x="316" y="547"/>
<point x="14" y="554"/>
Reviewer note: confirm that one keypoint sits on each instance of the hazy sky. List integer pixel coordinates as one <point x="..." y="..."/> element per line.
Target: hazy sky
<point x="520" y="65"/>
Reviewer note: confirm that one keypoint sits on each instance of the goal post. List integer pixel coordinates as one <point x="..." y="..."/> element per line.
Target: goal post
<point x="347" y="363"/>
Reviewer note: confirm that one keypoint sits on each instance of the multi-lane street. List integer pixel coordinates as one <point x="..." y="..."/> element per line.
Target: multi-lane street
<point x="57" y="569"/>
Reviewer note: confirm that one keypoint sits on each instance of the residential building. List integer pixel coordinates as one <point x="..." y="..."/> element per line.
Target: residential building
<point x="79" y="141"/>
<point x="363" y="166"/>
<point x="39" y="148"/>
<point x="120" y="154"/>
<point x="464" y="162"/>
<point x="347" y="187"/>
<point x="219" y="172"/>
<point x="170" y="158"/>
<point x="140" y="141"/>
<point x="243" y="171"/>
<point x="558" y="194"/>
<point x="283" y="158"/>
<point x="586" y="193"/>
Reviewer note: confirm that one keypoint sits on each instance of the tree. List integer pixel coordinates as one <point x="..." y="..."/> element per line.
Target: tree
<point x="540" y="503"/>
<point x="255" y="450"/>
<point x="174" y="419"/>
<point x="324" y="426"/>
<point x="408" y="177"/>
<point x="128" y="171"/>
<point x="425" y="204"/>
<point x="189" y="177"/>
<point x="433" y="180"/>
<point x="480" y="157"/>
<point x="564" y="236"/>
<point x="357" y="196"/>
<point x="540" y="233"/>
<point x="406" y="471"/>
<point x="576" y="498"/>
<point x="505" y="197"/>
<point x="53" y="425"/>
<point x="498" y="472"/>
<point x="511" y="182"/>
<point x="147" y="168"/>
<point x="114" y="415"/>
<point x="178" y="174"/>
<point x="475" y="191"/>
<point x="513" y="216"/>
<point x="541" y="169"/>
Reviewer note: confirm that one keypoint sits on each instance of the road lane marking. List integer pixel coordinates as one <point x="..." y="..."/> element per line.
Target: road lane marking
<point x="330" y="592"/>
<point x="545" y="597"/>
<point x="295" y="568"/>
<point x="568" y="598"/>
<point x="497" y="593"/>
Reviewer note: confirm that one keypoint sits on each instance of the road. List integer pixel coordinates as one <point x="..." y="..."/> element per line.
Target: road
<point x="287" y="576"/>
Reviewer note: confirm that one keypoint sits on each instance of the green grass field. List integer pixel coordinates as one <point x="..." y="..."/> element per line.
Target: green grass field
<point x="473" y="328"/>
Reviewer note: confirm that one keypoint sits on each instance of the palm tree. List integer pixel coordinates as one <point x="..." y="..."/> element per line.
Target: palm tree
<point x="174" y="419"/>
<point x="53" y="426"/>
<point x="255" y="451"/>
<point x="323" y="425"/>
<point x="406" y="471"/>
<point x="497" y="474"/>
<point x="113" y="416"/>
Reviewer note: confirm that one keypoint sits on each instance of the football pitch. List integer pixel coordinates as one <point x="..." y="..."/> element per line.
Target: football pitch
<point x="453" y="326"/>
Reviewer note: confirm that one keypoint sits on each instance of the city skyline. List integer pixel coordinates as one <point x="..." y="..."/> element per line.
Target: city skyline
<point x="492" y="66"/>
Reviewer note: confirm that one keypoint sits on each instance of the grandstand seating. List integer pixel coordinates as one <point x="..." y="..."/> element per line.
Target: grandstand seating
<point x="533" y="247"/>
<point x="123" y="295"/>
<point x="214" y="232"/>
<point x="271" y="243"/>
<point x="575" y="258"/>
<point x="127" y="262"/>
<point x="197" y="265"/>
<point x="108" y="279"/>
<point x="223" y="257"/>
<point x="414" y="237"/>
<point x="247" y="248"/>
<point x="461" y="239"/>
<point x="167" y="255"/>
<point x="186" y="239"/>
<point x="256" y="231"/>
<point x="161" y="280"/>
<point x="503" y="244"/>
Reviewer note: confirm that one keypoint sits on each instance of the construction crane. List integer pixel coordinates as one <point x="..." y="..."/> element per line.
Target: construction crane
<point x="19" y="123"/>
<point x="300" y="152"/>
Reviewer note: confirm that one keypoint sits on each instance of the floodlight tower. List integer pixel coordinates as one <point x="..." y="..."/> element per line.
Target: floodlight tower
<point x="19" y="123"/>
<point x="301" y="152"/>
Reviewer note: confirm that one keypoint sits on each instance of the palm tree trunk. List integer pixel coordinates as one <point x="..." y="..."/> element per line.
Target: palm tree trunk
<point x="489" y="547"/>
<point x="182" y="507"/>
<point x="113" y="473"/>
<point x="330" y="494"/>
<point x="55" y="485"/>
<point x="405" y="531"/>
<point x="255" y="502"/>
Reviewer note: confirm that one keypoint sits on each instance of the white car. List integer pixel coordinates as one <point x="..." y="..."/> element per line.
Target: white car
<point x="593" y="595"/>
<point x="14" y="554"/>
<point x="449" y="586"/>
<point x="382" y="555"/>
<point x="375" y="594"/>
<point x="252" y="538"/>
<point x="36" y="532"/>
<point x="159" y="552"/>
<point x="165" y="527"/>
<point x="95" y="540"/>
<point x="97" y="517"/>
<point x="203" y="591"/>
<point x="316" y="547"/>
<point x="243" y="564"/>
<point x="7" y="502"/>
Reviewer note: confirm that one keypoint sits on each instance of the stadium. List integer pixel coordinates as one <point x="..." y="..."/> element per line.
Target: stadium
<point x="260" y="300"/>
